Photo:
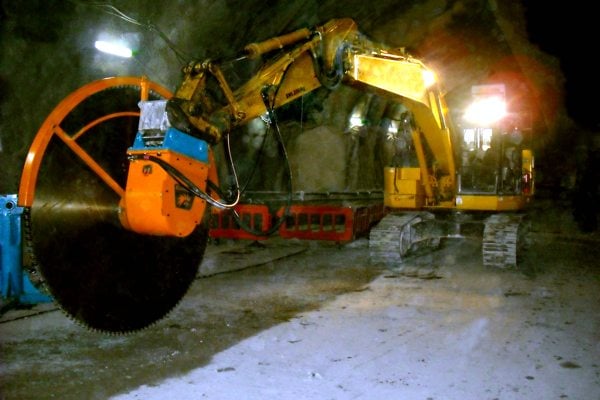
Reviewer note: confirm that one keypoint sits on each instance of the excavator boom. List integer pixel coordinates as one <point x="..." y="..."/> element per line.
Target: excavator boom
<point x="308" y="59"/>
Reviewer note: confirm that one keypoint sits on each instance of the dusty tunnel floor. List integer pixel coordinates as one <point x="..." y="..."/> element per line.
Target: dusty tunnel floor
<point x="319" y="322"/>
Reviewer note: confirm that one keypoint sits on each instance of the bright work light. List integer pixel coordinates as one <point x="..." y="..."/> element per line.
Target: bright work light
<point x="486" y="111"/>
<point x="428" y="78"/>
<point x="113" y="48"/>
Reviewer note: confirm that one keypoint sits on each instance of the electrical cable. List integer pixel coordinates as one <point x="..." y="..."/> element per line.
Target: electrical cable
<point x="272" y="122"/>
<point x="273" y="119"/>
<point x="195" y="190"/>
<point x="257" y="160"/>
<point x="183" y="180"/>
<point x="232" y="170"/>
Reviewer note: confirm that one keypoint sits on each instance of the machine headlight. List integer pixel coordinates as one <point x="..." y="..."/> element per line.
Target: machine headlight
<point x="486" y="112"/>
<point x="428" y="78"/>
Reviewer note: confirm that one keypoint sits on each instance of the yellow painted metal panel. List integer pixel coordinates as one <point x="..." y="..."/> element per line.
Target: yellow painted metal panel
<point x="409" y="186"/>
<point x="395" y="75"/>
<point x="403" y="181"/>
<point x="403" y="201"/>
<point x="410" y="173"/>
<point x="489" y="202"/>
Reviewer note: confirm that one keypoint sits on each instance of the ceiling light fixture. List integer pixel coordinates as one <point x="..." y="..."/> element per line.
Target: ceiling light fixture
<point x="114" y="48"/>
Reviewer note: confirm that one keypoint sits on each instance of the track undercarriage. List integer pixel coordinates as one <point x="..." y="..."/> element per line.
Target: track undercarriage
<point x="504" y="240"/>
<point x="402" y="234"/>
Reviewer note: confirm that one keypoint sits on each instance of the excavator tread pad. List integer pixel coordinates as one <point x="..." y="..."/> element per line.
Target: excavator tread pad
<point x="502" y="238"/>
<point x="392" y="238"/>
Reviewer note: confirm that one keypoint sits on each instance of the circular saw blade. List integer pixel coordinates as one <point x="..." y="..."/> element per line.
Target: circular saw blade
<point x="104" y="276"/>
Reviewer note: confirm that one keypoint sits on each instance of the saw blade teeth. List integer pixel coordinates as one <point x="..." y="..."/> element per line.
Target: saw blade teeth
<point x="30" y="264"/>
<point x="104" y="277"/>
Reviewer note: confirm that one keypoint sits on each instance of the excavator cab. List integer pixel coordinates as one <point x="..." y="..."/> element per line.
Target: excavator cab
<point x="494" y="163"/>
<point x="491" y="161"/>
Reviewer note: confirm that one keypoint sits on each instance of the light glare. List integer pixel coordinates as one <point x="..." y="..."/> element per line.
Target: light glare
<point x="356" y="122"/>
<point x="486" y="111"/>
<point x="113" y="48"/>
<point x="428" y="78"/>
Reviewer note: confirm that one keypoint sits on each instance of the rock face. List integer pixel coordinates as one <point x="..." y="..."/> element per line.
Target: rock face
<point x="328" y="171"/>
<point x="48" y="52"/>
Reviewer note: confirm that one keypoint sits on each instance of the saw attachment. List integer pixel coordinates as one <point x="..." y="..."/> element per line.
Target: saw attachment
<point x="103" y="275"/>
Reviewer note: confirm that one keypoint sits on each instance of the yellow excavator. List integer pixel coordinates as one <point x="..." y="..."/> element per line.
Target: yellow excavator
<point x="118" y="180"/>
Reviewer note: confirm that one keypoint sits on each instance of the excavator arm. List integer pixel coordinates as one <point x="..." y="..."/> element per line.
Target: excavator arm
<point x="305" y="60"/>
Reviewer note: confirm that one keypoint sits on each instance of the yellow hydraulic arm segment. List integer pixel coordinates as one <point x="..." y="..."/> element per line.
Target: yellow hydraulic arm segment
<point x="327" y="55"/>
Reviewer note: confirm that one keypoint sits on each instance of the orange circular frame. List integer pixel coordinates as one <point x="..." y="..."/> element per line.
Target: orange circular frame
<point x="51" y="127"/>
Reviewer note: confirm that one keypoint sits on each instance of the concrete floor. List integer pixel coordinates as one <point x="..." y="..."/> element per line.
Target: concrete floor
<point x="300" y="320"/>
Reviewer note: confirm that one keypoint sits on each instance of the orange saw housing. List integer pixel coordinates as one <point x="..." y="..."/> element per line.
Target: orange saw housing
<point x="154" y="202"/>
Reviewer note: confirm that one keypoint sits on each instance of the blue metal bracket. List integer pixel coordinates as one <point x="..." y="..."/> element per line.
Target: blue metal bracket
<point x="176" y="141"/>
<point x="14" y="283"/>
